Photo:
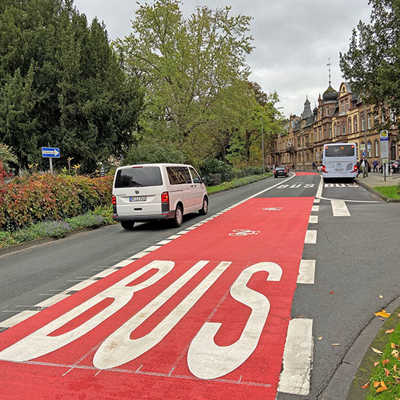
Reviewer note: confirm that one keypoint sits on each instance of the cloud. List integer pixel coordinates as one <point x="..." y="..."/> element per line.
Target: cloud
<point x="293" y="39"/>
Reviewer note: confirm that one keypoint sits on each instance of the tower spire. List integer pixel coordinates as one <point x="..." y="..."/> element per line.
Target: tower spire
<point x="329" y="69"/>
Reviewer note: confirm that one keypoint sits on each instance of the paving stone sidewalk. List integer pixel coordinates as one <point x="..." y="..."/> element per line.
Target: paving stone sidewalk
<point x="377" y="179"/>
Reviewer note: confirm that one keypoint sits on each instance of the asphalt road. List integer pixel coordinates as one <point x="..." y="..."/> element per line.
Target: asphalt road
<point x="356" y="264"/>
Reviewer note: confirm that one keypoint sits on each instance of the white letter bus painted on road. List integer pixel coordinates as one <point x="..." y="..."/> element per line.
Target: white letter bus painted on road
<point x="206" y="360"/>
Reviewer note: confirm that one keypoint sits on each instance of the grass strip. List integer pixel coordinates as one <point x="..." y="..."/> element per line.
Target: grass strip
<point x="237" y="183"/>
<point x="378" y="376"/>
<point x="391" y="192"/>
<point x="57" y="229"/>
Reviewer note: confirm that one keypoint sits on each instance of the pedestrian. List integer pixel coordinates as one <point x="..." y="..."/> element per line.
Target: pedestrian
<point x="358" y="168"/>
<point x="314" y="166"/>
<point x="365" y="167"/>
<point x="375" y="165"/>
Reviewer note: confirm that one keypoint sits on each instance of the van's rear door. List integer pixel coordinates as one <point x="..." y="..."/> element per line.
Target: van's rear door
<point x="138" y="190"/>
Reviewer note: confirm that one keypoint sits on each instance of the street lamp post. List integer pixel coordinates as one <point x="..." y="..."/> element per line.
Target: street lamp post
<point x="262" y="147"/>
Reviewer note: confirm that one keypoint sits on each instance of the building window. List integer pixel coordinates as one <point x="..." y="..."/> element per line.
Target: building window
<point x="344" y="127"/>
<point x="376" y="148"/>
<point x="355" y="123"/>
<point x="369" y="149"/>
<point x="349" y="126"/>
<point x="363" y="121"/>
<point x="369" y="121"/>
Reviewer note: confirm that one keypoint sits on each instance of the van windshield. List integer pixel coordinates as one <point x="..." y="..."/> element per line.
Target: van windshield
<point x="138" y="177"/>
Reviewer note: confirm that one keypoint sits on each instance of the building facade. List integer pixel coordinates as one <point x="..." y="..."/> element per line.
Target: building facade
<point x="339" y="117"/>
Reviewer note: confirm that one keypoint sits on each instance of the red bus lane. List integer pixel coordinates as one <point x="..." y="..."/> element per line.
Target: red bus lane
<point x="203" y="317"/>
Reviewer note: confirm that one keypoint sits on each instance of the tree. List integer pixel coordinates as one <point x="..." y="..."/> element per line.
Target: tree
<point x="372" y="62"/>
<point x="61" y="84"/>
<point x="190" y="67"/>
<point x="6" y="157"/>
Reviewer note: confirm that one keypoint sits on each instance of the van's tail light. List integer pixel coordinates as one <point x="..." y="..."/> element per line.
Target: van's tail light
<point x="355" y="168"/>
<point x="323" y="168"/>
<point x="114" y="201"/>
<point x="165" y="198"/>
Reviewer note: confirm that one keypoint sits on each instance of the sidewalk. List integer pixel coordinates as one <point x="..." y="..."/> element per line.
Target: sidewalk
<point x="376" y="179"/>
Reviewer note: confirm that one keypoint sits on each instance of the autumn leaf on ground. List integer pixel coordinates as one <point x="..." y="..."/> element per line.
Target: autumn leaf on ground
<point x="382" y="314"/>
<point x="393" y="345"/>
<point x="395" y="367"/>
<point x="376" y="384"/>
<point x="384" y="362"/>
<point x="382" y="388"/>
<point x="389" y="331"/>
<point x="376" y="363"/>
<point x="380" y="296"/>
<point x="365" y="386"/>
<point x="387" y="372"/>
<point x="395" y="353"/>
<point x="376" y="350"/>
<point x="331" y="292"/>
<point x="320" y="337"/>
<point x="335" y="344"/>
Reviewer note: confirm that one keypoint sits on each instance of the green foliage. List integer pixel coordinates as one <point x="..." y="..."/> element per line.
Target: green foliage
<point x="47" y="197"/>
<point x="372" y="62"/>
<point x="61" y="84"/>
<point x="390" y="192"/>
<point x="150" y="151"/>
<point x="194" y="70"/>
<point x="236" y="183"/>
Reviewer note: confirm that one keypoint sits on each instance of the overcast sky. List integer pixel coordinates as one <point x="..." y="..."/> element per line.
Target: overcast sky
<point x="293" y="39"/>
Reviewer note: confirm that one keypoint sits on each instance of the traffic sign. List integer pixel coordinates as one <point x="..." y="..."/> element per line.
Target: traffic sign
<point x="51" y="152"/>
<point x="364" y="153"/>
<point x="384" y="136"/>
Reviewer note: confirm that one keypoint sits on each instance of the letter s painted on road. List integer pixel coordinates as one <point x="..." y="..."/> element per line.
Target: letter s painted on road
<point x="206" y="360"/>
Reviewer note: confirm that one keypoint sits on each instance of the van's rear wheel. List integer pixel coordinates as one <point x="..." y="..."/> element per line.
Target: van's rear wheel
<point x="128" y="225"/>
<point x="178" y="219"/>
<point x="204" y="209"/>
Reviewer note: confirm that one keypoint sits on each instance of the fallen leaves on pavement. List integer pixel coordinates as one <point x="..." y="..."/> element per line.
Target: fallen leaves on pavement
<point x="376" y="350"/>
<point x="382" y="314"/>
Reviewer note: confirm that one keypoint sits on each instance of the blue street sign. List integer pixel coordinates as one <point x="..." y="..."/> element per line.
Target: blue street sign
<point x="364" y="153"/>
<point x="51" y="152"/>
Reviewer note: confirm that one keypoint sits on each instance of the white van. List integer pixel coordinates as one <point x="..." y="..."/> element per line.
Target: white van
<point x="147" y="192"/>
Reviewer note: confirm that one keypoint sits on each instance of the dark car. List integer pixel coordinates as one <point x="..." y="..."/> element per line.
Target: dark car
<point x="395" y="166"/>
<point x="280" y="171"/>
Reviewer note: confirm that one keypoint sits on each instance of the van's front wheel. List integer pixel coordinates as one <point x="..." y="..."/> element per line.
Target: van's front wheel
<point x="128" y="225"/>
<point x="178" y="219"/>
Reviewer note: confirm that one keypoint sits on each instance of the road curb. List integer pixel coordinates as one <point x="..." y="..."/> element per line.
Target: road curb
<point x="340" y="383"/>
<point x="370" y="189"/>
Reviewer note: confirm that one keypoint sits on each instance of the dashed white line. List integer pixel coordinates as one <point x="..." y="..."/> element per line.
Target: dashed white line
<point x="315" y="208"/>
<point x="313" y="219"/>
<point x="297" y="358"/>
<point x="16" y="319"/>
<point x="311" y="237"/>
<point x="306" y="272"/>
<point x="53" y="300"/>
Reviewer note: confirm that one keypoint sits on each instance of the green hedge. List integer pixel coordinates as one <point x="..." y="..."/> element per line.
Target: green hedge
<point x="46" y="197"/>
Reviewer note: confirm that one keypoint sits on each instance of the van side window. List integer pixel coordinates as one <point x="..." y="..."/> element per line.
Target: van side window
<point x="178" y="175"/>
<point x="195" y="176"/>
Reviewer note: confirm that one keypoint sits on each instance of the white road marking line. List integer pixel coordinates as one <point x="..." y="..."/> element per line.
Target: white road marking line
<point x="191" y="228"/>
<point x="81" y="285"/>
<point x="172" y="237"/>
<point x="320" y="187"/>
<point x="317" y="201"/>
<point x="16" y="319"/>
<point x="182" y="232"/>
<point x="297" y="358"/>
<point x="311" y="237"/>
<point x="151" y="248"/>
<point x="53" y="300"/>
<point x="313" y="219"/>
<point x="339" y="208"/>
<point x="123" y="263"/>
<point x="315" y="208"/>
<point x="162" y="242"/>
<point x="139" y="255"/>
<point x="104" y="273"/>
<point x="306" y="272"/>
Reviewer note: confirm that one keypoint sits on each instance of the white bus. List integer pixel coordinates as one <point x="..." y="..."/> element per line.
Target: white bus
<point x="339" y="160"/>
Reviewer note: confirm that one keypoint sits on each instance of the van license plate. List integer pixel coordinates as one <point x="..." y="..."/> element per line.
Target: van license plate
<point x="137" y="198"/>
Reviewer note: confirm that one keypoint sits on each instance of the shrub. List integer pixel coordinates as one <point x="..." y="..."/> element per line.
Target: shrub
<point x="212" y="167"/>
<point x="46" y="197"/>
